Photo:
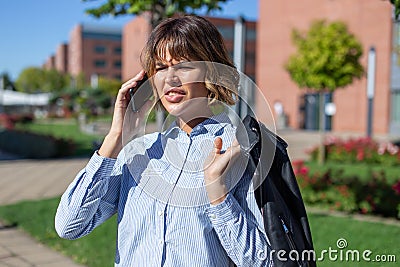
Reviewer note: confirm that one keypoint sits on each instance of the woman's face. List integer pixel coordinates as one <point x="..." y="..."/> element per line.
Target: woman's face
<point x="180" y="85"/>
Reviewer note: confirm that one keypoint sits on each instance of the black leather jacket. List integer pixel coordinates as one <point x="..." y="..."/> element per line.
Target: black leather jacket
<point x="277" y="193"/>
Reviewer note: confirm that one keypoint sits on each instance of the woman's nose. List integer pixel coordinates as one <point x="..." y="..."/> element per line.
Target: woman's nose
<point x="171" y="77"/>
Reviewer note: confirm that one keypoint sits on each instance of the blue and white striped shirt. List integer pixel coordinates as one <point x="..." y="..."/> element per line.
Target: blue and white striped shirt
<point x="156" y="186"/>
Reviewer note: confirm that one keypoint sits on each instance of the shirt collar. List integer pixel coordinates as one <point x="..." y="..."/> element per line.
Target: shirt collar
<point x="213" y="125"/>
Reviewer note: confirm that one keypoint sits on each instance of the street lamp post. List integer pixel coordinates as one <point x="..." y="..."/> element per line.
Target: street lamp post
<point x="2" y="86"/>
<point x="239" y="48"/>
<point x="370" y="89"/>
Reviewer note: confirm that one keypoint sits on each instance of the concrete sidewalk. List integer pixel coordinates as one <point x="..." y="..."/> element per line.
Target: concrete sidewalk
<point x="31" y="180"/>
<point x="39" y="179"/>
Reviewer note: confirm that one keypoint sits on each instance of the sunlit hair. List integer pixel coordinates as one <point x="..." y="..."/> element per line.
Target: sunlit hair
<point x="194" y="38"/>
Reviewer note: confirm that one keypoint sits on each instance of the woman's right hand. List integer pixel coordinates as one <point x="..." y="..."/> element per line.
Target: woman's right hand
<point x="112" y="143"/>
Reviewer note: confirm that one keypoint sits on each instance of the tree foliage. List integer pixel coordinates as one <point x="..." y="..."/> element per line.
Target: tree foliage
<point x="8" y="83"/>
<point x="396" y="4"/>
<point x="34" y="79"/>
<point x="158" y="9"/>
<point x="109" y="86"/>
<point x="327" y="58"/>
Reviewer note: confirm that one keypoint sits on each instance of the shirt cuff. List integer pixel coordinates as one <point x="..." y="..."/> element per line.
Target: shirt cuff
<point x="227" y="210"/>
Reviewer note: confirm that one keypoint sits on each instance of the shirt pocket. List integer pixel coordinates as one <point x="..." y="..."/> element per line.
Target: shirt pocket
<point x="151" y="180"/>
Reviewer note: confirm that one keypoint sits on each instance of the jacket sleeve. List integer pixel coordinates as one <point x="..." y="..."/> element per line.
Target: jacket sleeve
<point x="90" y="199"/>
<point x="241" y="235"/>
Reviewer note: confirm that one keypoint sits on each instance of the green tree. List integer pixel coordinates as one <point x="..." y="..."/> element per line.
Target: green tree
<point x="396" y="4"/>
<point x="327" y="58"/>
<point x="30" y="80"/>
<point x="109" y="86"/>
<point x="54" y="80"/>
<point x="34" y="79"/>
<point x="8" y="83"/>
<point x="158" y="9"/>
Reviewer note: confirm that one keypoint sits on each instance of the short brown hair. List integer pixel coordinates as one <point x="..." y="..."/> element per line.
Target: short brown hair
<point x="194" y="38"/>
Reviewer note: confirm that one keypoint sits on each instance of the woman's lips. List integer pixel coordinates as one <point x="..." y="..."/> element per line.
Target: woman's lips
<point x="174" y="95"/>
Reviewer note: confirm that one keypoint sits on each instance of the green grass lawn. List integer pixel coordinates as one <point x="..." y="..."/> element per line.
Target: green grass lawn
<point x="380" y="239"/>
<point x="37" y="218"/>
<point x="97" y="249"/>
<point x="64" y="128"/>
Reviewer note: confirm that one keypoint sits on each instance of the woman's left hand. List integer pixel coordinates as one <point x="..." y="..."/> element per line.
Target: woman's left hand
<point x="215" y="169"/>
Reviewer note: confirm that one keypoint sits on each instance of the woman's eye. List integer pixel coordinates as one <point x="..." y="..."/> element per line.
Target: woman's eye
<point x="161" y="68"/>
<point x="184" y="67"/>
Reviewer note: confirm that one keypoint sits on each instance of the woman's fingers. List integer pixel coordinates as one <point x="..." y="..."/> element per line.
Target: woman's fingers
<point x="217" y="145"/>
<point x="217" y="162"/>
<point x="133" y="81"/>
<point x="123" y="96"/>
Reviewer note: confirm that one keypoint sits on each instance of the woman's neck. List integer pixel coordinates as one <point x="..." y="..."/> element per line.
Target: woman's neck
<point x="188" y="124"/>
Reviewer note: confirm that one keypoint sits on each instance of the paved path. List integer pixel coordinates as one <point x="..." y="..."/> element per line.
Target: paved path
<point x="29" y="180"/>
<point x="38" y="179"/>
<point x="18" y="249"/>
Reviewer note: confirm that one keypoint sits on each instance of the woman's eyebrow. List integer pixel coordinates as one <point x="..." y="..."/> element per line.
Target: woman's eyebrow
<point x="161" y="64"/>
<point x="165" y="63"/>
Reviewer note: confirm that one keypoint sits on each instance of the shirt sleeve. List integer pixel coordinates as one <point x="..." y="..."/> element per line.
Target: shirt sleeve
<point x="90" y="199"/>
<point x="243" y="238"/>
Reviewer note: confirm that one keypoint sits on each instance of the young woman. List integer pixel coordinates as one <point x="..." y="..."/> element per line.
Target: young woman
<point x="181" y="196"/>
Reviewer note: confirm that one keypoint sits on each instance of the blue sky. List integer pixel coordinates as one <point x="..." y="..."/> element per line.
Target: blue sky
<point x="31" y="30"/>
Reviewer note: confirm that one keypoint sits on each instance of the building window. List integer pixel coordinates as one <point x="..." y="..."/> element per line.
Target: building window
<point x="117" y="64"/>
<point x="251" y="34"/>
<point x="118" y="77"/>
<point x="227" y="32"/>
<point x="117" y="50"/>
<point x="100" y="63"/>
<point x="250" y="58"/>
<point x="100" y="49"/>
<point x="395" y="107"/>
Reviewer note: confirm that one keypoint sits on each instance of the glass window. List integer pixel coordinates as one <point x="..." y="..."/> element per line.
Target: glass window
<point x="395" y="106"/>
<point x="100" y="63"/>
<point x="227" y="32"/>
<point x="250" y="34"/>
<point x="100" y="49"/>
<point x="117" y="50"/>
<point x="117" y="64"/>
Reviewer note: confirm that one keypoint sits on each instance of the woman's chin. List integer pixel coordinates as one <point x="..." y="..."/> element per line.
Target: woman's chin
<point x="187" y="108"/>
<point x="176" y="109"/>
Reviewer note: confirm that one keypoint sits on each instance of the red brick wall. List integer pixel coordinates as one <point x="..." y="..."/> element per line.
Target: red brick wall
<point x="82" y="55"/>
<point x="369" y="20"/>
<point x="89" y="57"/>
<point x="61" y="60"/>
<point x="134" y="38"/>
<point x="75" y="61"/>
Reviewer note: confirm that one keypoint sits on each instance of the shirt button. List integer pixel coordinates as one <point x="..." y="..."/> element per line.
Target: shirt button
<point x="160" y="213"/>
<point x="213" y="216"/>
<point x="160" y="242"/>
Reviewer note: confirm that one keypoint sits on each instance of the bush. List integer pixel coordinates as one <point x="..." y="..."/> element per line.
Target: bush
<point x="37" y="146"/>
<point x="8" y="121"/>
<point x="350" y="194"/>
<point x="359" y="150"/>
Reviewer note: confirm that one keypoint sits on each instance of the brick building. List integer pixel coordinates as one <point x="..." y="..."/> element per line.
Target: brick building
<point x="371" y="22"/>
<point x="61" y="58"/>
<point x="50" y="63"/>
<point x="95" y="50"/>
<point x="136" y="32"/>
